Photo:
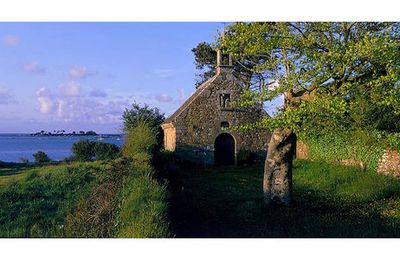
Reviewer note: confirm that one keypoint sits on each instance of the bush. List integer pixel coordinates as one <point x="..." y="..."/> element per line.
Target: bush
<point x="140" y="139"/>
<point x="245" y="157"/>
<point x="86" y="150"/>
<point x="24" y="160"/>
<point x="105" y="151"/>
<point x="151" y="116"/>
<point x="137" y="115"/>
<point x="83" y="150"/>
<point x="41" y="157"/>
<point x="363" y="146"/>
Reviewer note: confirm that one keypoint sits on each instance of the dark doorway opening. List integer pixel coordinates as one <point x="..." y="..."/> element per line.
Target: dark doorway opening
<point x="224" y="153"/>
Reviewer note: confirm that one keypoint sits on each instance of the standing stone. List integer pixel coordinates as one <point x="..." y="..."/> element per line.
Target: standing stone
<point x="278" y="167"/>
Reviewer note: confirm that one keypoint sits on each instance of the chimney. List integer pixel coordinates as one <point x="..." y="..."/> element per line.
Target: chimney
<point x="223" y="67"/>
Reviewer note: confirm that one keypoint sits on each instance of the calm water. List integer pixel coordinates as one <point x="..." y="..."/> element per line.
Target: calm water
<point x="15" y="146"/>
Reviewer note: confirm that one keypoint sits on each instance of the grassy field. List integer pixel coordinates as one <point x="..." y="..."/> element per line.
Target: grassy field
<point x="330" y="201"/>
<point x="92" y="199"/>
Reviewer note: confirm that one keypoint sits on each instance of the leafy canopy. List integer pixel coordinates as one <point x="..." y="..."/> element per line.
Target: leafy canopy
<point x="337" y="66"/>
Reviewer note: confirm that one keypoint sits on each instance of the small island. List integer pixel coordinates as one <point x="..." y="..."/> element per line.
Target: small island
<point x="63" y="133"/>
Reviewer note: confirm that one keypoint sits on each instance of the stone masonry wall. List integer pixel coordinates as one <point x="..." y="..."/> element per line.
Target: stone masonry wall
<point x="389" y="164"/>
<point x="199" y="124"/>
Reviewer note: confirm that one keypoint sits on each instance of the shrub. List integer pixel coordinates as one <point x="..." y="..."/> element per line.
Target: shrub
<point x="41" y="157"/>
<point x="137" y="115"/>
<point x="86" y="150"/>
<point x="105" y="151"/>
<point x="83" y="150"/>
<point x="245" y="157"/>
<point x="152" y="116"/>
<point x="363" y="146"/>
<point x="24" y="160"/>
<point x="140" y="139"/>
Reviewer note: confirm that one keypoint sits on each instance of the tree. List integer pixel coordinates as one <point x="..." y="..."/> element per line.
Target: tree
<point x="205" y="60"/>
<point x="138" y="115"/>
<point x="41" y="157"/>
<point x="329" y="63"/>
<point x="323" y="71"/>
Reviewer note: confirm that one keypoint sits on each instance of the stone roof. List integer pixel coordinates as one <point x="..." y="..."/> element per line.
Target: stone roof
<point x="193" y="97"/>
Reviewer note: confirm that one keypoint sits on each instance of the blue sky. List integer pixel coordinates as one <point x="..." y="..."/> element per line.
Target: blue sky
<point x="81" y="76"/>
<point x="77" y="76"/>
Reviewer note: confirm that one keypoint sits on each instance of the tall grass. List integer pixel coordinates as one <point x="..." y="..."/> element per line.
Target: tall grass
<point x="143" y="208"/>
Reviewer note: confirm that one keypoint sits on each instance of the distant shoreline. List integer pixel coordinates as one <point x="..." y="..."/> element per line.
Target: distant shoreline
<point x="63" y="133"/>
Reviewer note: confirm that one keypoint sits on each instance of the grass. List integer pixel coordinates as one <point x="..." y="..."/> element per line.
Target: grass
<point x="329" y="201"/>
<point x="111" y="198"/>
<point x="34" y="204"/>
<point x="93" y="199"/>
<point x="15" y="172"/>
<point x="144" y="209"/>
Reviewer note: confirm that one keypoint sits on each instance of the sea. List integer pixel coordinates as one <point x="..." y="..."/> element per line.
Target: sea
<point x="13" y="147"/>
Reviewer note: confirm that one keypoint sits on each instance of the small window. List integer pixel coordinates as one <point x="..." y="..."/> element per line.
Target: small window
<point x="224" y="100"/>
<point x="224" y="124"/>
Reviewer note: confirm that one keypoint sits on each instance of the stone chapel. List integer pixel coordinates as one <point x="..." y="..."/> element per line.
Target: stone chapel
<point x="199" y="130"/>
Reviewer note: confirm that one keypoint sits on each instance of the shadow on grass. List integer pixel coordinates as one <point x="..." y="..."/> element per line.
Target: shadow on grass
<point x="227" y="202"/>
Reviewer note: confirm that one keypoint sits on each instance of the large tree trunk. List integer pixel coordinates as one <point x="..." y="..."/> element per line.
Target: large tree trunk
<point x="278" y="167"/>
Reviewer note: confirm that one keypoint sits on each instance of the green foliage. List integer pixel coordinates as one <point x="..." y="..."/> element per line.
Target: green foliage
<point x="105" y="151"/>
<point x="86" y="150"/>
<point x="205" y="58"/>
<point x="139" y="139"/>
<point x="143" y="207"/>
<point x="366" y="147"/>
<point x="41" y="157"/>
<point x="83" y="150"/>
<point x="138" y="114"/>
<point x="344" y="65"/>
<point x="144" y="114"/>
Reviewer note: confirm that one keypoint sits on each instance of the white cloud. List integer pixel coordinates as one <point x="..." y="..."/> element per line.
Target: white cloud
<point x="71" y="89"/>
<point x="44" y="100"/>
<point x="162" y="97"/>
<point x="11" y="40"/>
<point x="34" y="67"/>
<point x="69" y="104"/>
<point x="79" y="73"/>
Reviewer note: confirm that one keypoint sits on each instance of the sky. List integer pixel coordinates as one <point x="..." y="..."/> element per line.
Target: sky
<point x="81" y="76"/>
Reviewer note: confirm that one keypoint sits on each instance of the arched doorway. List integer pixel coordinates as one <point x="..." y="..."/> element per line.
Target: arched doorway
<point x="224" y="150"/>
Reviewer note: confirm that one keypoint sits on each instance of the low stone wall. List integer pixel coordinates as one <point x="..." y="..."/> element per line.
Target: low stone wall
<point x="388" y="165"/>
